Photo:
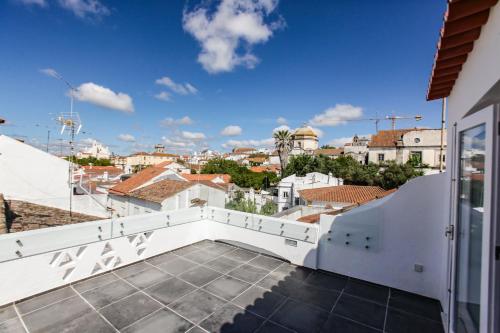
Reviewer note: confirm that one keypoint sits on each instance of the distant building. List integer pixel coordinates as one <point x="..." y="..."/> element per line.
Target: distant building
<point x="159" y="148"/>
<point x="140" y="160"/>
<point x="96" y="150"/>
<point x="167" y="195"/>
<point x="337" y="197"/>
<point x="357" y="149"/>
<point x="305" y="141"/>
<point x="400" y="145"/>
<point x="289" y="187"/>
<point x="330" y="152"/>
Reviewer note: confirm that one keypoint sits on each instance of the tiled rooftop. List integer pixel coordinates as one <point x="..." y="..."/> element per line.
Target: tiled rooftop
<point x="217" y="287"/>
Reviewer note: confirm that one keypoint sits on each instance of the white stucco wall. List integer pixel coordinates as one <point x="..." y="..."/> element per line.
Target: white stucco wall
<point x="405" y="228"/>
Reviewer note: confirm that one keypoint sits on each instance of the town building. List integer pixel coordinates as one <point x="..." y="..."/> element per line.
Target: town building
<point x="338" y="197"/>
<point x="288" y="188"/>
<point x="357" y="149"/>
<point x="305" y="141"/>
<point x="333" y="153"/>
<point x="140" y="160"/>
<point x="95" y="150"/>
<point x="166" y="195"/>
<point x="402" y="144"/>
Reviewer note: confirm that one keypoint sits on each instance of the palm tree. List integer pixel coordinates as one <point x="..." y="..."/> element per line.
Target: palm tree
<point x="283" y="141"/>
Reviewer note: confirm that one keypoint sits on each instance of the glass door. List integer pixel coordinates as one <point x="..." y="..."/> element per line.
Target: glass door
<point x="470" y="305"/>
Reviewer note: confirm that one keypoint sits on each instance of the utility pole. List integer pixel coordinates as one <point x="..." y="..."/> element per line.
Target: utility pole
<point x="441" y="147"/>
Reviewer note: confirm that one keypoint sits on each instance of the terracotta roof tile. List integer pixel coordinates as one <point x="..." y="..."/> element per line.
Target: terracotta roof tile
<point x="344" y="193"/>
<point x="203" y="176"/>
<point x="265" y="168"/>
<point x="329" y="151"/>
<point x="387" y="138"/>
<point x="136" y="180"/>
<point x="159" y="191"/>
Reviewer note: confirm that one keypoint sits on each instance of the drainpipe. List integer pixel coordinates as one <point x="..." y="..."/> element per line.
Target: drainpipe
<point x="441" y="148"/>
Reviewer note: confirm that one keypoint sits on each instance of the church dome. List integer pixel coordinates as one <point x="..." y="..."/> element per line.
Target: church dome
<point x="305" y="131"/>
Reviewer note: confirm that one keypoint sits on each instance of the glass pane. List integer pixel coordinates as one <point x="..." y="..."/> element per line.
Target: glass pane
<point x="470" y="226"/>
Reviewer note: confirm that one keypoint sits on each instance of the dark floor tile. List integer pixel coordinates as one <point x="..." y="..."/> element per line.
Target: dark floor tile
<point x="260" y="301"/>
<point x="249" y="273"/>
<point x="169" y="290"/>
<point x="287" y="287"/>
<point x="45" y="299"/>
<point x="416" y="304"/>
<point x="204" y="243"/>
<point x="286" y="271"/>
<point x="241" y="255"/>
<point x="95" y="282"/>
<point x="270" y="327"/>
<point x="319" y="297"/>
<point x="163" y="320"/>
<point x="265" y="262"/>
<point x="336" y="324"/>
<point x="200" y="256"/>
<point x="327" y="281"/>
<point x="12" y="326"/>
<point x="166" y="257"/>
<point x="300" y="317"/>
<point x="222" y="264"/>
<point x="231" y="319"/>
<point x="185" y="250"/>
<point x="196" y="329"/>
<point x="200" y="275"/>
<point x="108" y="293"/>
<point x="129" y="310"/>
<point x="7" y="312"/>
<point x="227" y="287"/>
<point x="218" y="249"/>
<point x="370" y="291"/>
<point x="132" y="269"/>
<point x="148" y="277"/>
<point x="197" y="305"/>
<point x="69" y="315"/>
<point x="361" y="310"/>
<point x="398" y="321"/>
<point x="177" y="266"/>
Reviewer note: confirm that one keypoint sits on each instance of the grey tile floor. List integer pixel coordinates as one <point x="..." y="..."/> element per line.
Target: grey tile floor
<point x="215" y="287"/>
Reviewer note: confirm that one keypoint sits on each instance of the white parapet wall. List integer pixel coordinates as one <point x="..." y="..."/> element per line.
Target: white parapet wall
<point x="382" y="241"/>
<point x="32" y="262"/>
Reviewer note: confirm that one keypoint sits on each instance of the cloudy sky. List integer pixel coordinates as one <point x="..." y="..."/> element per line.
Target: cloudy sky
<point x="214" y="74"/>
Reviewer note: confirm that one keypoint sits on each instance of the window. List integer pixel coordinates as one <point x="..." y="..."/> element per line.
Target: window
<point x="285" y="194"/>
<point x="417" y="140"/>
<point x="416" y="156"/>
<point x="381" y="157"/>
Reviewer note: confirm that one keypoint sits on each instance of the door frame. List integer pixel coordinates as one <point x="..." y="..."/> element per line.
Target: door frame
<point x="485" y="116"/>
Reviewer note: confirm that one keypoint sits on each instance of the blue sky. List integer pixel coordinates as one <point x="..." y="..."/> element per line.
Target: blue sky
<point x="181" y="72"/>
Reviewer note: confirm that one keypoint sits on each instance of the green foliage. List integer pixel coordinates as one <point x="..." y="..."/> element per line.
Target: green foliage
<point x="269" y="208"/>
<point x="387" y="176"/>
<point x="327" y="147"/>
<point x="94" y="161"/>
<point x="240" y="175"/>
<point x="240" y="204"/>
<point x="194" y="172"/>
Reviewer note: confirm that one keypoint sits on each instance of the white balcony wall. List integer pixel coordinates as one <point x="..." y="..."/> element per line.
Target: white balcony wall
<point x="404" y="229"/>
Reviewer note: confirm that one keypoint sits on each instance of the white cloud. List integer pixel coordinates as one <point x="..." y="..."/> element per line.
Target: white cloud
<point x="231" y="130"/>
<point x="102" y="96"/>
<point x="281" y="121"/>
<point x="337" y="115"/>
<point x="234" y="25"/>
<point x="176" y="144"/>
<point x="41" y="3"/>
<point x="163" y="96"/>
<point x="249" y="143"/>
<point x="178" y="88"/>
<point x="50" y="72"/>
<point x="85" y="8"/>
<point x="282" y="128"/>
<point x="126" y="138"/>
<point x="195" y="136"/>
<point x="340" y="142"/>
<point x="169" y="122"/>
<point x="318" y="132"/>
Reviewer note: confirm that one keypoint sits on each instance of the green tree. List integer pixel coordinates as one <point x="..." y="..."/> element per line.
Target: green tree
<point x="283" y="141"/>
<point x="395" y="175"/>
<point x="94" y="161"/>
<point x="269" y="208"/>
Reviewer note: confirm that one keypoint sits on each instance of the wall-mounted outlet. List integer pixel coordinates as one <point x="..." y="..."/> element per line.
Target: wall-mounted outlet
<point x="419" y="268"/>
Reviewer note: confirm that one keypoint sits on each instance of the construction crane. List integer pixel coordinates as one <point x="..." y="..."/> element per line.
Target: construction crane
<point x="393" y="118"/>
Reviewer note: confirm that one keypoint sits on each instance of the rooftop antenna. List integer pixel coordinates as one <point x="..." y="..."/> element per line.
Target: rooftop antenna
<point x="70" y="123"/>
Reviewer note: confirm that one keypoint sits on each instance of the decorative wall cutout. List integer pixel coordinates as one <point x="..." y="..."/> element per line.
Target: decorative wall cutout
<point x="108" y="259"/>
<point x="140" y="241"/>
<point x="67" y="260"/>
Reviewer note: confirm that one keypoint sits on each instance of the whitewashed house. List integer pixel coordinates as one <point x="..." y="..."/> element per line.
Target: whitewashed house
<point x="289" y="187"/>
<point x="167" y="195"/>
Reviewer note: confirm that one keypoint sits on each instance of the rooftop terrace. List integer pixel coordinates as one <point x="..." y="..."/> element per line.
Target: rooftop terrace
<point x="217" y="287"/>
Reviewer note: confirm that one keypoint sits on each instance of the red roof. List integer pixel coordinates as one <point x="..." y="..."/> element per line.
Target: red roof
<point x="462" y="25"/>
<point x="329" y="151"/>
<point x="266" y="168"/>
<point x="90" y="169"/>
<point x="344" y="193"/>
<point x="210" y="177"/>
<point x="136" y="180"/>
<point x="387" y="138"/>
